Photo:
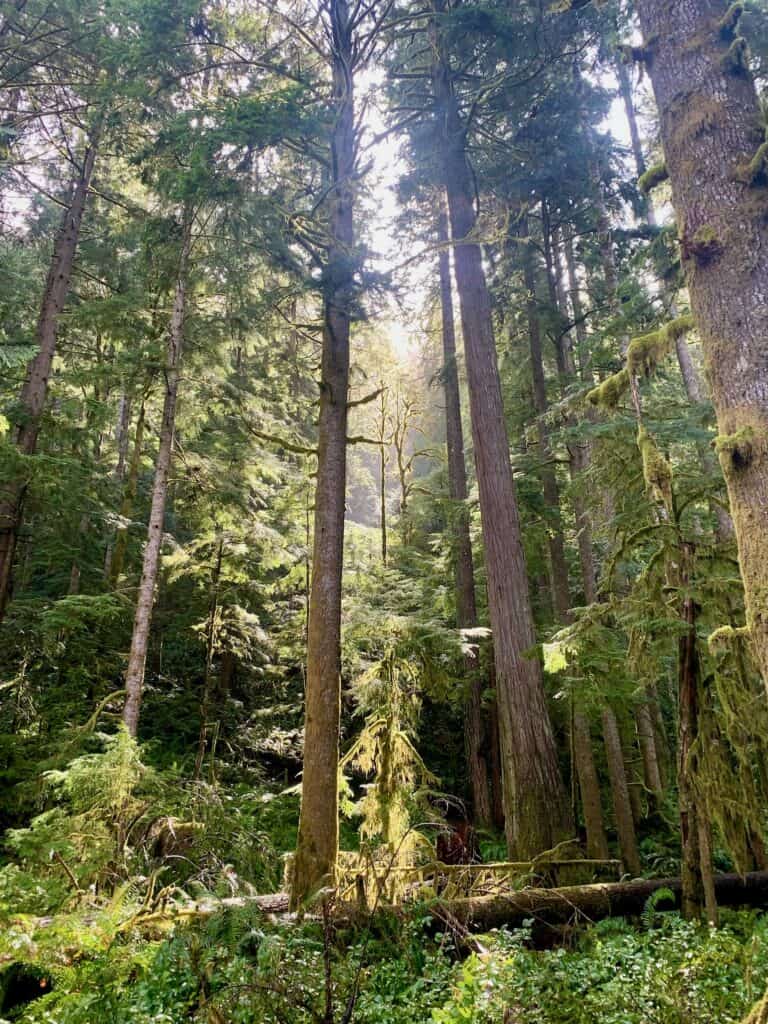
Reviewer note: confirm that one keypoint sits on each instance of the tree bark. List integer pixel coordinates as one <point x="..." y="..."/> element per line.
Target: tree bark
<point x="466" y="608"/>
<point x="25" y="430"/>
<point x="712" y="132"/>
<point x="589" y="786"/>
<point x="646" y="736"/>
<point x="129" y="496"/>
<point x="535" y="804"/>
<point x="134" y="676"/>
<point x="314" y="863"/>
<point x="622" y="808"/>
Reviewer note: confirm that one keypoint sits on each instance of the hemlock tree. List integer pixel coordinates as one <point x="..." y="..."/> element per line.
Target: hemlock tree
<point x="716" y="155"/>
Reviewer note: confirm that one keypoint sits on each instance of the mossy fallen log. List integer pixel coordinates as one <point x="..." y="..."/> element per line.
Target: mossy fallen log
<point x="575" y="904"/>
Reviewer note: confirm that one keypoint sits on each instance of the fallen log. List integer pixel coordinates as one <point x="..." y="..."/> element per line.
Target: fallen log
<point x="584" y="904"/>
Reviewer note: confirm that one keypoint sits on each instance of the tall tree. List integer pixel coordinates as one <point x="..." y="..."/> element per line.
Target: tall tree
<point x="715" y="152"/>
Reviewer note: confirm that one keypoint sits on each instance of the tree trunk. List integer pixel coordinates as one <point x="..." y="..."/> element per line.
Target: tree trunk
<point x="121" y="443"/>
<point x="129" y="496"/>
<point x="622" y="808"/>
<point x="713" y="134"/>
<point x="314" y="863"/>
<point x="134" y="676"/>
<point x="466" y="609"/>
<point x="210" y="646"/>
<point x="535" y="804"/>
<point x="25" y="430"/>
<point x="597" y="844"/>
<point x="561" y="596"/>
<point x="646" y="736"/>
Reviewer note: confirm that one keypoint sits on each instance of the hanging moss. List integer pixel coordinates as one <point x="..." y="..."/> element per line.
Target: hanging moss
<point x="723" y="637"/>
<point x="607" y="394"/>
<point x="657" y="471"/>
<point x="729" y="24"/>
<point x="653" y="177"/>
<point x="646" y="351"/>
<point x="735" y="60"/>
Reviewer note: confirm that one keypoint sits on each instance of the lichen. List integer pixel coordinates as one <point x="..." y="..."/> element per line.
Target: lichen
<point x="608" y="393"/>
<point x="657" y="471"/>
<point x="653" y="177"/>
<point x="646" y="351"/>
<point x="729" y="23"/>
<point x="736" y="58"/>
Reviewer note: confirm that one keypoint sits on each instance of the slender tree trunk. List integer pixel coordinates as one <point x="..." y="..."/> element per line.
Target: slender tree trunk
<point x="535" y="804"/>
<point x="597" y="844"/>
<point x="121" y="442"/>
<point x="713" y="134"/>
<point x="318" y="839"/>
<point x="561" y="596"/>
<point x="129" y="496"/>
<point x="210" y="645"/>
<point x="622" y="807"/>
<point x="35" y="388"/>
<point x="466" y="609"/>
<point x="646" y="736"/>
<point x="137" y="658"/>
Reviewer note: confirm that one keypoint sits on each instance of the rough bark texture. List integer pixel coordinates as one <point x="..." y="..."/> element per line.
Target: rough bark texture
<point x="466" y="608"/>
<point x="622" y="808"/>
<point x="25" y="431"/>
<point x="318" y="840"/>
<point x="137" y="658"/>
<point x="712" y="131"/>
<point x="646" y="737"/>
<point x="534" y="798"/>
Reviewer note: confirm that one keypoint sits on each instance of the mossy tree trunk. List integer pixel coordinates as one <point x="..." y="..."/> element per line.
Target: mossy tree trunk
<point x="466" y="608"/>
<point x="535" y="804"/>
<point x="318" y="840"/>
<point x="713" y="135"/>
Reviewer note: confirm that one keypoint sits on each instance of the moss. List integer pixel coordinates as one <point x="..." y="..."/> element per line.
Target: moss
<point x="725" y="636"/>
<point x="657" y="471"/>
<point x="704" y="245"/>
<point x="735" y="450"/>
<point x="736" y="58"/>
<point x="692" y="116"/>
<point x="729" y="24"/>
<point x="646" y="351"/>
<point x="757" y="169"/>
<point x="608" y="394"/>
<point x="653" y="177"/>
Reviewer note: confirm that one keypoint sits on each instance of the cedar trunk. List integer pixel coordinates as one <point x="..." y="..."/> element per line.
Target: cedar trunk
<point x="35" y="388"/>
<point x="622" y="807"/>
<point x="712" y="131"/>
<point x="318" y="839"/>
<point x="535" y="805"/>
<point x="589" y="785"/>
<point x="466" y="609"/>
<point x="137" y="658"/>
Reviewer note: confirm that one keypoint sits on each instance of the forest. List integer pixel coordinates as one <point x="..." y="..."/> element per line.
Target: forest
<point x="384" y="511"/>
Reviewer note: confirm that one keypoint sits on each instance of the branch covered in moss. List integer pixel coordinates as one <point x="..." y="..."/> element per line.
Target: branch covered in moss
<point x="657" y="471"/>
<point x="723" y="637"/>
<point x="646" y="351"/>
<point x="654" y="176"/>
<point x="729" y="23"/>
<point x="608" y="393"/>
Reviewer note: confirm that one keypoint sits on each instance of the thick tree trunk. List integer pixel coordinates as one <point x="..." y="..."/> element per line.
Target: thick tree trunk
<point x="314" y="863"/>
<point x="535" y="804"/>
<point x="712" y="132"/>
<point x="466" y="609"/>
<point x="137" y="658"/>
<point x="622" y="808"/>
<point x="26" y="429"/>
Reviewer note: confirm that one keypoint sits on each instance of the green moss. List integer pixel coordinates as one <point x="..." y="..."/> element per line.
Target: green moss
<point x="646" y="351"/>
<point x="657" y="471"/>
<point x="653" y="177"/>
<point x="735" y="450"/>
<point x="704" y="245"/>
<point x="608" y="394"/>
<point x="729" y="23"/>
<point x="736" y="59"/>
<point x="757" y="169"/>
<point x="725" y="636"/>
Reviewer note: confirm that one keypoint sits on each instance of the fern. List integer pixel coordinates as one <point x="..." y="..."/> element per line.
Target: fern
<point x="651" y="904"/>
